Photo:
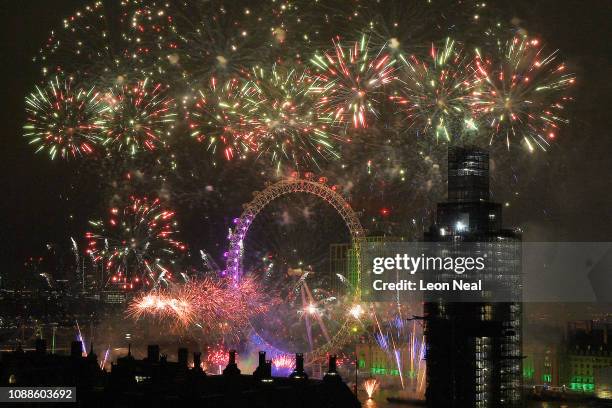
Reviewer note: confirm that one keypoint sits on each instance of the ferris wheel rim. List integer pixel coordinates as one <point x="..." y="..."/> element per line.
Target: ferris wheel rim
<point x="265" y="197"/>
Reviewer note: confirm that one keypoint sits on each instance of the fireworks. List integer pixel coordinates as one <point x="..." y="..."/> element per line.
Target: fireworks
<point x="370" y="385"/>
<point x="241" y="70"/>
<point x="63" y="120"/>
<point x="284" y="112"/>
<point x="201" y="39"/>
<point x="141" y="116"/>
<point x="404" y="345"/>
<point x="222" y="306"/>
<point x="283" y="365"/>
<point x="402" y="26"/>
<point x="351" y="80"/>
<point x="217" y="357"/>
<point x="434" y="94"/>
<point x="163" y="308"/>
<point x="287" y="124"/>
<point x="356" y="311"/>
<point x="523" y="95"/>
<point x="216" y="305"/>
<point x="217" y="120"/>
<point x="137" y="244"/>
<point x="80" y="44"/>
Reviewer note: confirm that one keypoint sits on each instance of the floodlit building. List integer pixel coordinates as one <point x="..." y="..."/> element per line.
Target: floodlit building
<point x="588" y="356"/>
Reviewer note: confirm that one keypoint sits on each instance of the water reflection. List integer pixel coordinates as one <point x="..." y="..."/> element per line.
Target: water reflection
<point x="380" y="401"/>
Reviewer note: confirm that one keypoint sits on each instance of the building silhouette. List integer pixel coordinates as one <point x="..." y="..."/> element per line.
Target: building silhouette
<point x="474" y="347"/>
<point x="156" y="382"/>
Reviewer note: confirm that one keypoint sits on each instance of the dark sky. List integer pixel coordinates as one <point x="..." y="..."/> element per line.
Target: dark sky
<point x="569" y="191"/>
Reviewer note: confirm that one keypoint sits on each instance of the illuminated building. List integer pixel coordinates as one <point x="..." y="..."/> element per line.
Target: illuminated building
<point x="588" y="352"/>
<point x="603" y="383"/>
<point x="542" y="365"/>
<point x="473" y="349"/>
<point x="343" y="262"/>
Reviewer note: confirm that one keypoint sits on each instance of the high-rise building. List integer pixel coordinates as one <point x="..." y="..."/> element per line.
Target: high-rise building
<point x="474" y="348"/>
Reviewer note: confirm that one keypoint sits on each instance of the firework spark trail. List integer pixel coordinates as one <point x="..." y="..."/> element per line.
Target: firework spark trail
<point x="421" y="384"/>
<point x="398" y="362"/>
<point x="286" y="122"/>
<point x="64" y="120"/>
<point x="434" y="93"/>
<point x="395" y="333"/>
<point x="219" y="119"/>
<point x="83" y="45"/>
<point x="351" y="80"/>
<point x="81" y="339"/>
<point x="283" y="364"/>
<point x="106" y="354"/>
<point x="217" y="356"/>
<point x="137" y="244"/>
<point x="214" y="304"/>
<point x="370" y="385"/>
<point x="523" y="94"/>
<point x="141" y="116"/>
<point x="162" y="307"/>
<point x="199" y="40"/>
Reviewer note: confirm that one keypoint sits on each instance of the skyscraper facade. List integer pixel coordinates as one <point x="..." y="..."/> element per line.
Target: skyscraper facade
<point x="474" y="347"/>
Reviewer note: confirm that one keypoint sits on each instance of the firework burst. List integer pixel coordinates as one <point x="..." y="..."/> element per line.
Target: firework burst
<point x="370" y="385"/>
<point x="201" y="39"/>
<point x="286" y="122"/>
<point x="283" y="365"/>
<point x="351" y="80"/>
<point x="218" y="120"/>
<point x="141" y="116"/>
<point x="64" y="120"/>
<point x="216" y="305"/>
<point x="399" y="25"/>
<point x="137" y="244"/>
<point x="434" y="93"/>
<point x="217" y="357"/>
<point x="524" y="93"/>
<point x="88" y="44"/>
<point x="82" y="42"/>
<point x="162" y="307"/>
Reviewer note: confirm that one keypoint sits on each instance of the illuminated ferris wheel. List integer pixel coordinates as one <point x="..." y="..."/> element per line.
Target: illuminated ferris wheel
<point x="280" y="237"/>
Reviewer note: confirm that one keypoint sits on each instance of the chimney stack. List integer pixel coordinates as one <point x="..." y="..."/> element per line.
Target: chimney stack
<point x="183" y="356"/>
<point x="332" y="373"/>
<point x="299" y="372"/>
<point x="267" y="372"/>
<point x="232" y="368"/>
<point x="153" y="353"/>
<point x="259" y="371"/>
<point x="197" y="361"/>
<point x="76" y="349"/>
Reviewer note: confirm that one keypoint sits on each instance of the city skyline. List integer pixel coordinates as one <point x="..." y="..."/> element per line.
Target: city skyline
<point x="214" y="175"/>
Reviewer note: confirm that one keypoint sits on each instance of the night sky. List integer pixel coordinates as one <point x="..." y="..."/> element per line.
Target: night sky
<point x="566" y="193"/>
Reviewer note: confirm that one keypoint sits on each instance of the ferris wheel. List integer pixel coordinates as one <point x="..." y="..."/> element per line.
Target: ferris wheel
<point x="309" y="308"/>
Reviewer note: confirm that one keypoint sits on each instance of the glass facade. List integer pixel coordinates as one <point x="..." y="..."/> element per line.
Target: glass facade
<point x="474" y="350"/>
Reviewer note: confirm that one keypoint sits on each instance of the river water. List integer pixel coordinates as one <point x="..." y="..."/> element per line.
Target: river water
<point x="380" y="401"/>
